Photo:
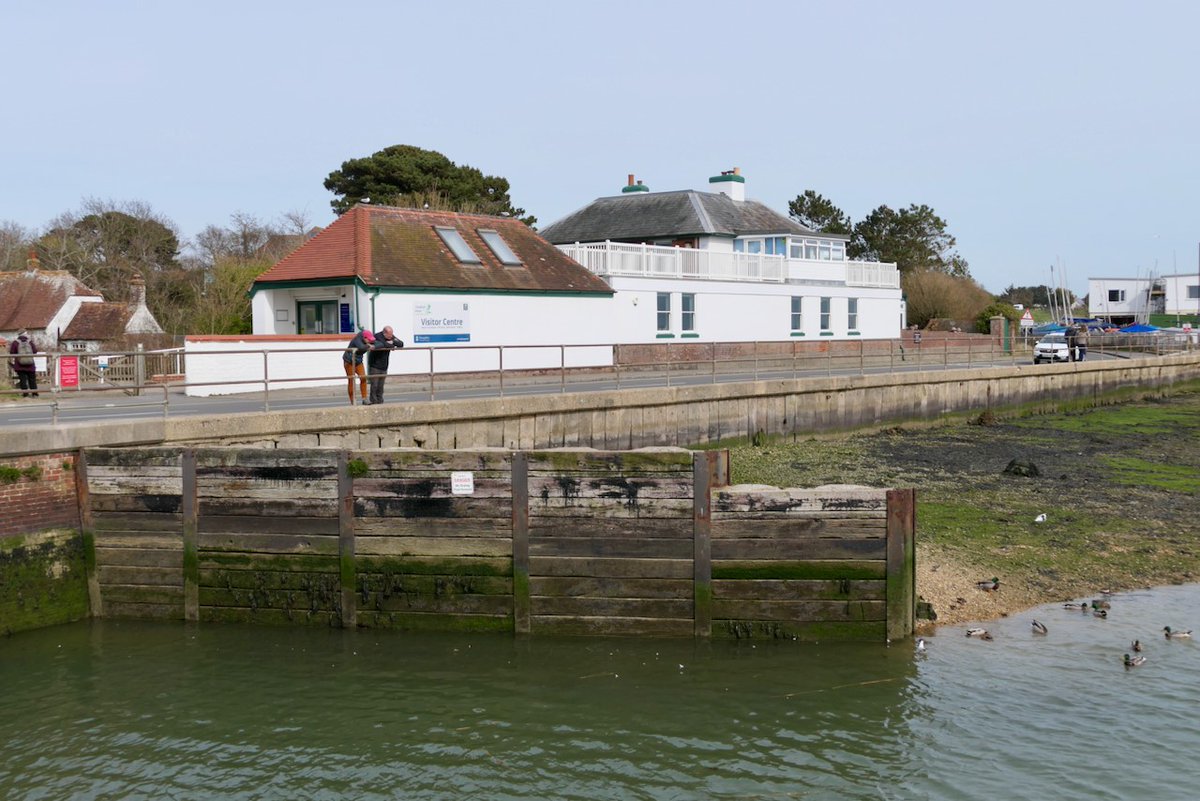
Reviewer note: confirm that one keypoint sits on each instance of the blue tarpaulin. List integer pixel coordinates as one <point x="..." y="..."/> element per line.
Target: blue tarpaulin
<point x="1138" y="328"/>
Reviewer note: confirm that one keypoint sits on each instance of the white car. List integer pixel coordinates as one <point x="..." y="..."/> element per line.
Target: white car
<point x="1051" y="348"/>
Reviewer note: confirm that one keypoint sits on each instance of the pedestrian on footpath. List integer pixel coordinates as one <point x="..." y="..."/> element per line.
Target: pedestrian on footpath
<point x="1072" y="342"/>
<point x="1082" y="339"/>
<point x="24" y="365"/>
<point x="352" y="359"/>
<point x="377" y="361"/>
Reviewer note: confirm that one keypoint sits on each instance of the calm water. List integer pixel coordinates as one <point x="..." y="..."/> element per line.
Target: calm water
<point x="141" y="711"/>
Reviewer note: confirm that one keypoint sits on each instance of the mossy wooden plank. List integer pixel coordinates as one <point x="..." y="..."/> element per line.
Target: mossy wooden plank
<point x="574" y="586"/>
<point x="431" y="621"/>
<point x="493" y="605"/>
<point x="134" y="485"/>
<point x="612" y="607"/>
<point x="901" y="561"/>
<point x="270" y="543"/>
<point x="543" y="489"/>
<point x="623" y="547"/>
<point x="800" y="589"/>
<point x="132" y="457"/>
<point x="139" y="539"/>
<point x="438" y="487"/>
<point x="434" y="546"/>
<point x="149" y="522"/>
<point x="435" y="565"/>
<point x="433" y="586"/>
<point x="417" y="459"/>
<point x="799" y="569"/>
<point x="753" y="498"/>
<point x="589" y="567"/>
<point x="212" y="460"/>
<point x="239" y="579"/>
<point x="320" y="599"/>
<point x="264" y="489"/>
<point x="808" y="548"/>
<point x="143" y="594"/>
<point x="368" y="527"/>
<point x="122" y="574"/>
<point x="814" y="611"/>
<point x="610" y="507"/>
<point x="258" y="507"/>
<point x="612" y="528"/>
<point x="145" y="611"/>
<point x="617" y="463"/>
<point x="457" y="507"/>
<point x="113" y="472"/>
<point x="611" y="626"/>
<point x="274" y="617"/>
<point x="163" y="503"/>
<point x="253" y="562"/>
<point x="798" y="527"/>
<point x="802" y="514"/>
<point x="139" y="557"/>
<point x="824" y="631"/>
<point x="294" y="524"/>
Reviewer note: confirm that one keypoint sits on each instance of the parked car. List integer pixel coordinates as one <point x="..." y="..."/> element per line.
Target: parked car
<point x="1051" y="348"/>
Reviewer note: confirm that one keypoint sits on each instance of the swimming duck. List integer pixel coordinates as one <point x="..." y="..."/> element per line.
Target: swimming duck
<point x="1101" y="605"/>
<point x="1100" y="613"/>
<point x="1134" y="661"/>
<point x="1039" y="627"/>
<point x="921" y="645"/>
<point x="980" y="633"/>
<point x="1136" y="645"/>
<point x="1176" y="635"/>
<point x="989" y="586"/>
<point x="1083" y="606"/>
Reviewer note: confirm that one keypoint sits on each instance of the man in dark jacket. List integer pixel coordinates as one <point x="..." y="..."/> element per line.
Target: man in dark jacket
<point x="23" y="364"/>
<point x="377" y="361"/>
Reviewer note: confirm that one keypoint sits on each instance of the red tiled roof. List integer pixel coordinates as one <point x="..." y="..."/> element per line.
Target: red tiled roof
<point x="392" y="247"/>
<point x="31" y="299"/>
<point x="98" y="321"/>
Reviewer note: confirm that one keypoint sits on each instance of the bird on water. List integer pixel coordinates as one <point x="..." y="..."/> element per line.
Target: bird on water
<point x="1039" y="627"/>
<point x="980" y="633"/>
<point x="1134" y="661"/>
<point x="1172" y="634"/>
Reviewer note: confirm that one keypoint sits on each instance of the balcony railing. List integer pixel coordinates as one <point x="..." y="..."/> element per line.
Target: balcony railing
<point x="653" y="261"/>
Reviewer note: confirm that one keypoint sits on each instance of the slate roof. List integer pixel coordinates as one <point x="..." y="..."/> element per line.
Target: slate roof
<point x="31" y="298"/>
<point x="641" y="216"/>
<point x="392" y="247"/>
<point x="99" y="321"/>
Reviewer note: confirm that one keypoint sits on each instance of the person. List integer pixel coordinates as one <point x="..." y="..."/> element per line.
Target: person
<point x="352" y="360"/>
<point x="1082" y="339"/>
<point x="23" y="364"/>
<point x="377" y="361"/>
<point x="1072" y="341"/>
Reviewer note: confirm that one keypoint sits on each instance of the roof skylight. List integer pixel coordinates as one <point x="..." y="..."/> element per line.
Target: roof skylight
<point x="503" y="252"/>
<point x="453" y="239"/>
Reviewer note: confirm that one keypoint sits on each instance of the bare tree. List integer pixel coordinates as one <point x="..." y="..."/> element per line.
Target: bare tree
<point x="16" y="241"/>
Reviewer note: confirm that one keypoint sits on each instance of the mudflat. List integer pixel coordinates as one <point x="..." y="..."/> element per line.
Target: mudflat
<point x="1056" y="506"/>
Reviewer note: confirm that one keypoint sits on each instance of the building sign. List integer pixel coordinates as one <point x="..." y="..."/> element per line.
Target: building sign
<point x="441" y="322"/>
<point x="345" y="321"/>
<point x="462" y="483"/>
<point x="68" y="371"/>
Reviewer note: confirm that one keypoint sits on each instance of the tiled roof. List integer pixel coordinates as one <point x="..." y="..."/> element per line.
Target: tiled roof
<point x="654" y="215"/>
<point x="30" y="299"/>
<point x="98" y="321"/>
<point x="391" y="247"/>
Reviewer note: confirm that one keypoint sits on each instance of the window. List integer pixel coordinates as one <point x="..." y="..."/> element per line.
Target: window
<point x="462" y="251"/>
<point x="739" y="246"/>
<point x="503" y="252"/>
<point x="775" y="246"/>
<point x="664" y="311"/>
<point x="852" y="314"/>
<point x="754" y="245"/>
<point x="825" y="302"/>
<point x="797" y="313"/>
<point x="687" y="312"/>
<point x="825" y="251"/>
<point x="839" y="251"/>
<point x="810" y="249"/>
<point x="1116" y="296"/>
<point x="1193" y="292"/>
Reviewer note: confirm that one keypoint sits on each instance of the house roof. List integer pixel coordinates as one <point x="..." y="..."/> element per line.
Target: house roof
<point x="99" y="321"/>
<point x="390" y="247"/>
<point x="653" y="215"/>
<point x="30" y="299"/>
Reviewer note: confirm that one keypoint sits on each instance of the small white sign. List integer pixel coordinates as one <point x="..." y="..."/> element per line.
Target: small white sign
<point x="462" y="483"/>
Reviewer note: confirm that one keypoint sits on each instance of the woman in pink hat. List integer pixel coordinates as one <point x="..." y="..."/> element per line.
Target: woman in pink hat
<point x="352" y="359"/>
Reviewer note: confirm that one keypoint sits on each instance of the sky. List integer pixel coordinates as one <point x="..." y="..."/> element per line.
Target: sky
<point x="1061" y="133"/>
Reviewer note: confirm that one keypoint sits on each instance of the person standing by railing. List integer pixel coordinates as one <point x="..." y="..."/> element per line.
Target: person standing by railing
<point x="377" y="361"/>
<point x="24" y="364"/>
<point x="352" y="360"/>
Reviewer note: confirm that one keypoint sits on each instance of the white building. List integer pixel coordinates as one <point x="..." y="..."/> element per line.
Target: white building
<point x="1126" y="300"/>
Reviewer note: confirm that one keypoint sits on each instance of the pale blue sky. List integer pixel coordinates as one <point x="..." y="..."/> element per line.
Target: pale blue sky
<point x="1039" y="131"/>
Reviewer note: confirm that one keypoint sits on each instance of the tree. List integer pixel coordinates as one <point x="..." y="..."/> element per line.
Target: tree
<point x="16" y="242"/>
<point x="817" y="212"/>
<point x="931" y="294"/>
<point x="1032" y="295"/>
<point x="914" y="238"/>
<point x="401" y="174"/>
<point x="983" y="320"/>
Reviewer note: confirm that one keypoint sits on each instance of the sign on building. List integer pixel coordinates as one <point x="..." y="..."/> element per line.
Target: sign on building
<point x="441" y="322"/>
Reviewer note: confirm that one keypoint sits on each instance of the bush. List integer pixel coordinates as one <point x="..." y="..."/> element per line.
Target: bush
<point x="983" y="323"/>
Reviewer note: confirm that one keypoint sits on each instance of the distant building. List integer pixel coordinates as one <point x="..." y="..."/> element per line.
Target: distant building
<point x="1126" y="300"/>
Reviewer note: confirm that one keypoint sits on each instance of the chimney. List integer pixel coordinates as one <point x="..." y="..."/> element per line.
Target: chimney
<point x="32" y="265"/>
<point x="634" y="187"/>
<point x="730" y="183"/>
<point x="137" y="290"/>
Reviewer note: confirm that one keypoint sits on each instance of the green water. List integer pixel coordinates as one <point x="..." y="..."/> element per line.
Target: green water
<point x="113" y="710"/>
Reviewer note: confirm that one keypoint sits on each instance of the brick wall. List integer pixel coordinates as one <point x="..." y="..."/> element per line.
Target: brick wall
<point x="38" y="502"/>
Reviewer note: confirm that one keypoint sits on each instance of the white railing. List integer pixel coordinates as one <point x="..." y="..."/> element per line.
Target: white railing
<point x="655" y="261"/>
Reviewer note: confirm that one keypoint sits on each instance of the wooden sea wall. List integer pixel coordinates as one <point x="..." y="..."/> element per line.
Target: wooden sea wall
<point x="578" y="541"/>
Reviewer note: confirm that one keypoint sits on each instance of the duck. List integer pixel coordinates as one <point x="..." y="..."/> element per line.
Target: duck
<point x="980" y="633"/>
<point x="1100" y="613"/>
<point x="1101" y="605"/>
<point x="921" y="645"/>
<point x="1081" y="606"/>
<point x="1134" y="661"/>
<point x="1171" y="634"/>
<point x="1136" y="645"/>
<point x="990" y="585"/>
<point x="1039" y="627"/>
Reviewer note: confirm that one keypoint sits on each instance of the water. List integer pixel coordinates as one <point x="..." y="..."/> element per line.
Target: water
<point x="118" y="710"/>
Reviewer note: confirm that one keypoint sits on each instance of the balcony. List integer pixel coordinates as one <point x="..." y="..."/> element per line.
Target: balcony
<point x="652" y="261"/>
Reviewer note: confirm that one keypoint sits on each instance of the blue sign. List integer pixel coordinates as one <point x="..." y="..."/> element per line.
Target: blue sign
<point x="347" y="324"/>
<point x="441" y="338"/>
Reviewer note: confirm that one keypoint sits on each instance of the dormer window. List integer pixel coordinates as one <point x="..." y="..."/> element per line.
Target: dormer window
<point x="503" y="252"/>
<point x="458" y="246"/>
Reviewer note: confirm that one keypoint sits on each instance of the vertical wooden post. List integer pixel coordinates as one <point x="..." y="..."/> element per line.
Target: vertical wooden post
<point x="704" y="469"/>
<point x="901" y="562"/>
<point x="191" y="543"/>
<point x="520" y="542"/>
<point x="88" y="534"/>
<point x="346" y="565"/>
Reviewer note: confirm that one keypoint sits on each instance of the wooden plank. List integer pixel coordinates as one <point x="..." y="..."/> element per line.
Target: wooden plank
<point x="431" y="621"/>
<point x="823" y="548"/>
<point x="144" y="611"/>
<point x="458" y="507"/>
<point x="520" y="542"/>
<point x="811" y="611"/>
<point x="609" y="507"/>
<point x="800" y="514"/>
<point x="236" y="579"/>
<point x="612" y="528"/>
<point x="320" y="600"/>
<point x="565" y="489"/>
<point x="752" y="498"/>
<point x="143" y="594"/>
<point x="609" y="568"/>
<point x="901" y="563"/>
<point x="263" y="489"/>
<point x="215" y="460"/>
<point x="346" y="543"/>
<point x="613" y="607"/>
<point x="799" y="569"/>
<point x="163" y="504"/>
<point x="613" y="626"/>
<point x="865" y="631"/>
<point x="270" y="543"/>
<point x="134" y="485"/>
<point x="575" y="586"/>
<point x="623" y="548"/>
<point x="495" y="605"/>
<point x="367" y="527"/>
<point x="257" y="507"/>
<point x="800" y="589"/>
<point x="235" y="524"/>
<point x="616" y="463"/>
<point x="253" y="562"/>
<point x="704" y="470"/>
<point x="132" y="457"/>
<point x="139" y="557"/>
<point x="139" y="539"/>
<point x="87" y="533"/>
<point x="434" y="546"/>
<point x="433" y="487"/>
<point x="436" y="565"/>
<point x="113" y="574"/>
<point x="274" y="617"/>
<point x="191" y="550"/>
<point x="130" y="522"/>
<point x="417" y="459"/>
<point x="799" y="527"/>
<point x="172" y="471"/>
<point x="433" y="586"/>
